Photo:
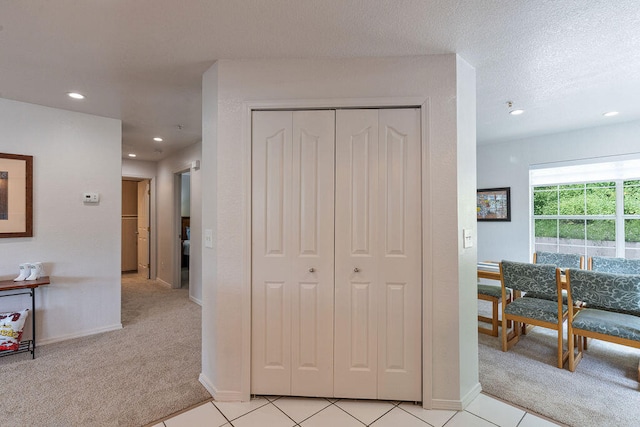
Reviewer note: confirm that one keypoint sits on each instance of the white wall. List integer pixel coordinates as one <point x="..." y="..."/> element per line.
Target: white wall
<point x="139" y="169"/>
<point x="227" y="88"/>
<point x="79" y="244"/>
<point x="466" y="185"/>
<point x="507" y="165"/>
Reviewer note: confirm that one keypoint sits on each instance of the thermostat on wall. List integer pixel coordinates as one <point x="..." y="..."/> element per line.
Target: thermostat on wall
<point x="90" y="197"/>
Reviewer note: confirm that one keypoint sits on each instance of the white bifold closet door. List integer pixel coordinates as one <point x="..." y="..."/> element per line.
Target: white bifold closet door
<point x="378" y="254"/>
<point x="292" y="252"/>
<point x="336" y="254"/>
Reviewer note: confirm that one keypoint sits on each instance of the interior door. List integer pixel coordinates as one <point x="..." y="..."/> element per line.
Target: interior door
<point x="356" y="339"/>
<point x="378" y="255"/>
<point x="292" y="253"/>
<point x="143" y="228"/>
<point x="399" y="236"/>
<point x="313" y="243"/>
<point x="336" y="254"/>
<point x="129" y="258"/>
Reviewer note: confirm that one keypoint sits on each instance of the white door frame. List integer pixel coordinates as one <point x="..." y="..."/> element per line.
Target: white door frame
<point x="427" y="250"/>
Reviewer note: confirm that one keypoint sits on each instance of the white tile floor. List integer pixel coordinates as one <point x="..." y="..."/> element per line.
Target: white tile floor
<point x="271" y="411"/>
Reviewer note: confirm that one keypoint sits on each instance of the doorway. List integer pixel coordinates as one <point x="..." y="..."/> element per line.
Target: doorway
<point x="135" y="253"/>
<point x="183" y="224"/>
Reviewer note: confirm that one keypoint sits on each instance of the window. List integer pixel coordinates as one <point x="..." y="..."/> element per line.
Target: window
<point x="631" y="190"/>
<point x="591" y="218"/>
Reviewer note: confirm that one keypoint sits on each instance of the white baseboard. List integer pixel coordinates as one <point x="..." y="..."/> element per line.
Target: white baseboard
<point x="196" y="300"/>
<point x="473" y="393"/>
<point x="219" y="395"/>
<point x="163" y="283"/>
<point x="457" y="405"/>
<point x="45" y="341"/>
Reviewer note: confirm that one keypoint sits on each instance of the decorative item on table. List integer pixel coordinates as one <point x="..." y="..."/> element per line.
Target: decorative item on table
<point x="11" y="325"/>
<point x="30" y="271"/>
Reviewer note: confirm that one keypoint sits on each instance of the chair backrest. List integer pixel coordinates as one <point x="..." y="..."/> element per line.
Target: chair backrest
<point x="522" y="276"/>
<point x="559" y="260"/>
<point x="614" y="265"/>
<point x="608" y="291"/>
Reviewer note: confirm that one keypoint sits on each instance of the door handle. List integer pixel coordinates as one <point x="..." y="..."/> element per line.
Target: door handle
<point x="356" y="269"/>
<point x="311" y="270"/>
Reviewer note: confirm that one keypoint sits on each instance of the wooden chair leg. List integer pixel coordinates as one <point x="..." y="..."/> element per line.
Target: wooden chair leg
<point x="493" y="320"/>
<point x="563" y="356"/>
<point x="575" y="357"/>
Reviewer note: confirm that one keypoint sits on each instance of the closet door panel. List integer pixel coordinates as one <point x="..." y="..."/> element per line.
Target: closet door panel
<point x="313" y="262"/>
<point x="271" y="252"/>
<point x="400" y="256"/>
<point x="336" y="254"/>
<point x="355" y="371"/>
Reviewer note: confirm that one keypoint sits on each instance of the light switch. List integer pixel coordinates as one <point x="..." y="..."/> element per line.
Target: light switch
<point x="467" y="240"/>
<point x="208" y="238"/>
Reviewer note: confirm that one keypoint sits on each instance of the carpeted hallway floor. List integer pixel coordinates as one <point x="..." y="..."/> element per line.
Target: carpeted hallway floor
<point x="130" y="377"/>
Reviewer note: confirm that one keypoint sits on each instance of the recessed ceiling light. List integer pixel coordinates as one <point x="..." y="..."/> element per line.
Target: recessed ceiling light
<point x="611" y="113"/>
<point x="75" y="95"/>
<point x="516" y="112"/>
<point x="132" y="155"/>
<point x="157" y="139"/>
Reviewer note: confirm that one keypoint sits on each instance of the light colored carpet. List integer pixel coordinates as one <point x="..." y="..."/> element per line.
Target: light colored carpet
<point x="130" y="377"/>
<point x="604" y="390"/>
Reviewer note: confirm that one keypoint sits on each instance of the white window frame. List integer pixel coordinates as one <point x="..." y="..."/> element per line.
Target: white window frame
<point x="618" y="171"/>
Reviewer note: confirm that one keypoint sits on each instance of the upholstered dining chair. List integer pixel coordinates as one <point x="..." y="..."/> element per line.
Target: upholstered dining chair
<point x="562" y="261"/>
<point x="559" y="260"/>
<point x="614" y="265"/>
<point x="610" y="310"/>
<point x="543" y="279"/>
<point x="492" y="294"/>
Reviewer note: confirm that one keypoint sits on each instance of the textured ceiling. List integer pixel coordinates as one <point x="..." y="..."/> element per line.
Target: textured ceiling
<point x="564" y="62"/>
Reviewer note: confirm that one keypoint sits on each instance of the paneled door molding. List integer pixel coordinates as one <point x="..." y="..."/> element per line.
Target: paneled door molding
<point x="376" y="299"/>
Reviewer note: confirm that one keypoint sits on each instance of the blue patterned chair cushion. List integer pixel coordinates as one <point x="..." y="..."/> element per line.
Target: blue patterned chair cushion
<point x="615" y="265"/>
<point x="607" y="291"/>
<point x="520" y="276"/>
<point x="543" y="296"/>
<point x="492" y="290"/>
<point x="559" y="260"/>
<point x="533" y="308"/>
<point x="609" y="323"/>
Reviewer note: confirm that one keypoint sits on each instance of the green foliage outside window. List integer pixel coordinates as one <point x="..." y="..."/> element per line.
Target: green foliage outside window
<point x="632" y="197"/>
<point x="585" y="199"/>
<point x="545" y="200"/>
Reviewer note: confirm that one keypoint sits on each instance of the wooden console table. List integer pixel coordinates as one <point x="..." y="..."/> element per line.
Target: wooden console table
<point x="26" y="287"/>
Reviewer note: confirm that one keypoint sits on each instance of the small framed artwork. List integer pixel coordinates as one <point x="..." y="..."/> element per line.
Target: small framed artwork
<point x="16" y="195"/>
<point x="494" y="204"/>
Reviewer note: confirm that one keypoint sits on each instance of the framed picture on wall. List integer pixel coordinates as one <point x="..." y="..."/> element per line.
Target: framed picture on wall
<point x="494" y="204"/>
<point x="16" y="195"/>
